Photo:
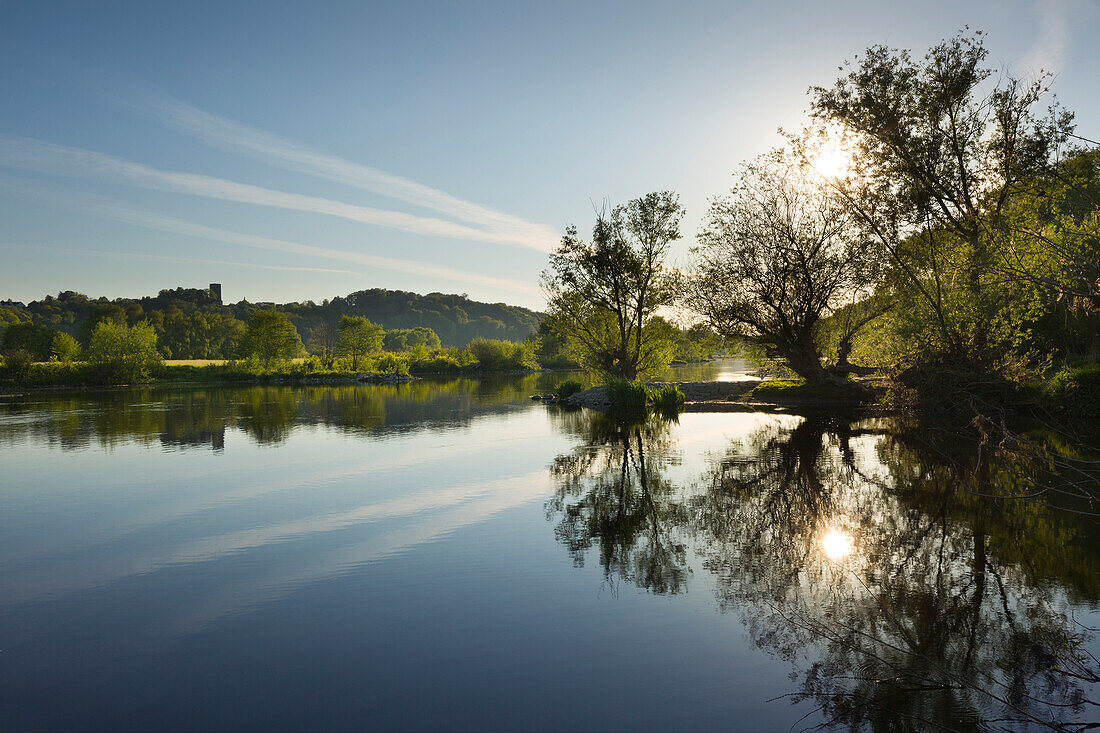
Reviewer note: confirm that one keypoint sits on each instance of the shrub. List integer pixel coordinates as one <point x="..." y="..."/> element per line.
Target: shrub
<point x="17" y="363"/>
<point x="121" y="353"/>
<point x="495" y="355"/>
<point x="1076" y="388"/>
<point x="407" y="339"/>
<point x="568" y="388"/>
<point x="625" y="395"/>
<point x="667" y="397"/>
<point x="65" y="348"/>
<point x="391" y="364"/>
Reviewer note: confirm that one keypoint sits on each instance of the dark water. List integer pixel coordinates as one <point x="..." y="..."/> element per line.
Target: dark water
<point x="450" y="555"/>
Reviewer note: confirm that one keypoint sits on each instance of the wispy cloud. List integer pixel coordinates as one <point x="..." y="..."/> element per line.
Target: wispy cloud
<point x="285" y="153"/>
<point x="35" y="155"/>
<point x="198" y="260"/>
<point x="172" y="225"/>
<point x="1048" y="52"/>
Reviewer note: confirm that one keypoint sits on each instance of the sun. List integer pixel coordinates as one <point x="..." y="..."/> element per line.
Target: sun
<point x="832" y="160"/>
<point x="837" y="544"/>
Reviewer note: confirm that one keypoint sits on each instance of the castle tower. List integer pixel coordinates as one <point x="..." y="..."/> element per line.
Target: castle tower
<point x="216" y="291"/>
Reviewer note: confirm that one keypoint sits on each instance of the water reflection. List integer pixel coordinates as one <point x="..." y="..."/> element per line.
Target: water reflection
<point x="433" y="527"/>
<point x="190" y="417"/>
<point x="612" y="495"/>
<point x="901" y="599"/>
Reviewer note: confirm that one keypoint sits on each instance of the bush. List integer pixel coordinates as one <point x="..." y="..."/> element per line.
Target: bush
<point x="121" y="353"/>
<point x="65" y="348"/>
<point x="628" y="396"/>
<point x="17" y="363"/>
<point x="391" y="364"/>
<point x="1075" y="388"/>
<point x="498" y="356"/>
<point x="667" y="397"/>
<point x="568" y="388"/>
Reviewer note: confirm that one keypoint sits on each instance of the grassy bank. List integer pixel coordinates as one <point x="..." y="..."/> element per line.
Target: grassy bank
<point x="495" y="358"/>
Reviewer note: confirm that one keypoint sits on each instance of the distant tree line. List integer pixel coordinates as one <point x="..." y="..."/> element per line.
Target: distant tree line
<point x="190" y="323"/>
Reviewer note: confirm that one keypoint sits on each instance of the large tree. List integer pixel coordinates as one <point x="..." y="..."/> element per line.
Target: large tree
<point x="269" y="337"/>
<point x="776" y="258"/>
<point x="34" y="338"/>
<point x="603" y="293"/>
<point x="940" y="147"/>
<point x="358" y="336"/>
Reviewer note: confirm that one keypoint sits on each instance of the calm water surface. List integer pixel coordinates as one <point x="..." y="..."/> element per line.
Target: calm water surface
<point x="451" y="555"/>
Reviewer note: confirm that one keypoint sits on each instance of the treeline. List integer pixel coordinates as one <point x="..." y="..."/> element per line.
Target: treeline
<point x="191" y="323"/>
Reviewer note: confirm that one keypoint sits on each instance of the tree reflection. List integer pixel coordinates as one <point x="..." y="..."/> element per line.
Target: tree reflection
<point x="903" y="597"/>
<point x="612" y="496"/>
<point x="198" y="417"/>
<point x="919" y="624"/>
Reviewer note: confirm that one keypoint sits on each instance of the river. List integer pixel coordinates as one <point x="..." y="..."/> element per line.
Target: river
<point x="450" y="555"/>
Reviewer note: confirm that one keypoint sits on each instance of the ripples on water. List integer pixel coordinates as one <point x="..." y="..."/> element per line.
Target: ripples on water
<point x="450" y="555"/>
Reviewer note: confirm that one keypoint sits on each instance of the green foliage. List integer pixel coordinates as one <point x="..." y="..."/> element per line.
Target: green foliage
<point x="18" y="363"/>
<point x="1075" y="388"/>
<point x="388" y="363"/>
<point x="551" y="348"/>
<point x="455" y="319"/>
<point x="35" y="339"/>
<point x="65" y="348"/>
<point x="494" y="355"/>
<point x="627" y="395"/>
<point x="603" y="294"/>
<point x="407" y="339"/>
<point x="783" y="389"/>
<point x="191" y="324"/>
<point x="667" y="397"/>
<point x="8" y="316"/>
<point x="119" y="353"/>
<point x="357" y="338"/>
<point x="270" y="337"/>
<point x="568" y="388"/>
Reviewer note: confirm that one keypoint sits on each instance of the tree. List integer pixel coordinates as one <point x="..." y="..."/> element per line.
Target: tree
<point x="102" y="313"/>
<point x="407" y="339"/>
<point x="939" y="150"/>
<point x="322" y="342"/>
<point x="775" y="259"/>
<point x="65" y="348"/>
<point x="34" y="338"/>
<point x="602" y="294"/>
<point x="358" y="337"/>
<point x="122" y="353"/>
<point x="269" y="337"/>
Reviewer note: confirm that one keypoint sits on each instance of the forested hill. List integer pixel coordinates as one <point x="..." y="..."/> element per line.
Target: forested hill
<point x="456" y="318"/>
<point x="192" y="323"/>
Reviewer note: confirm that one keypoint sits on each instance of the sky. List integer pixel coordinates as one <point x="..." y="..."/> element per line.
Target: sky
<point x="300" y="151"/>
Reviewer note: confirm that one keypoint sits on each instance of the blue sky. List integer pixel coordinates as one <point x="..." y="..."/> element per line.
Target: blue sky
<point x="296" y="151"/>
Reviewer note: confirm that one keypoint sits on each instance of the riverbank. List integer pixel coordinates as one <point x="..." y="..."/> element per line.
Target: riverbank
<point x="1073" y="390"/>
<point x="78" y="376"/>
<point x="753" y="394"/>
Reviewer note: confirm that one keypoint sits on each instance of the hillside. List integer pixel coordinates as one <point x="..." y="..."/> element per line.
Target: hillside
<point x="193" y="323"/>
